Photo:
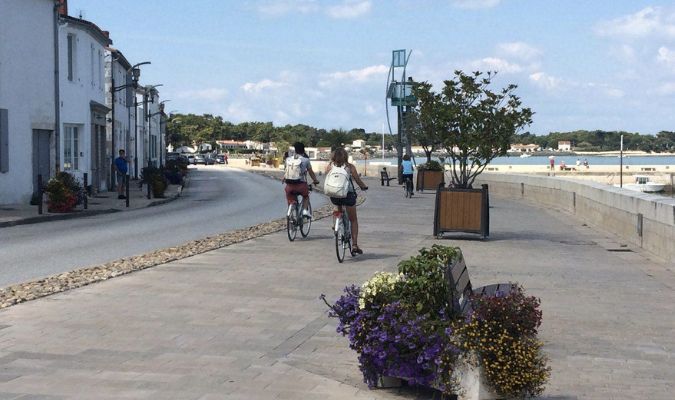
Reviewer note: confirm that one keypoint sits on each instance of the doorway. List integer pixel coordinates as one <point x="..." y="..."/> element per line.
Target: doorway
<point x="41" y="160"/>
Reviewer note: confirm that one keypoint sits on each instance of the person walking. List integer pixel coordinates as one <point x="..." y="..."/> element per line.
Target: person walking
<point x="339" y="159"/>
<point x="121" y="169"/>
<point x="407" y="173"/>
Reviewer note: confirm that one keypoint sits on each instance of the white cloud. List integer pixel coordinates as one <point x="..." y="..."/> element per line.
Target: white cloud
<point x="345" y="9"/>
<point x="276" y="8"/>
<point x="518" y="50"/>
<point x="666" y="89"/>
<point x="666" y="56"/>
<point x="545" y="81"/>
<point x="350" y="9"/>
<point x="356" y="75"/>
<point x="475" y="4"/>
<point x="209" y="94"/>
<point x="650" y="21"/>
<point x="251" y="87"/>
<point x="496" y="64"/>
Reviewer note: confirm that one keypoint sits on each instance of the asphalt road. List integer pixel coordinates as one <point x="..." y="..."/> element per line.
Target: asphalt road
<point x="217" y="200"/>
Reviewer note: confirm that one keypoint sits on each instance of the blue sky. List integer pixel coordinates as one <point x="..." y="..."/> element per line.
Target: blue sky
<point x="603" y="64"/>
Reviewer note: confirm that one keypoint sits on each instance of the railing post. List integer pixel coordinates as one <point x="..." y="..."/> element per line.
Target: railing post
<point x="40" y="193"/>
<point x="86" y="192"/>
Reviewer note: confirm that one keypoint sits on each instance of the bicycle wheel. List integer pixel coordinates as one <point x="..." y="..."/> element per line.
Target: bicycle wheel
<point x="291" y="224"/>
<point x="305" y="223"/>
<point x="340" y="242"/>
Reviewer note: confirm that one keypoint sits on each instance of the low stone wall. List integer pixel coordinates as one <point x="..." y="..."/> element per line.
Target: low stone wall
<point x="642" y="219"/>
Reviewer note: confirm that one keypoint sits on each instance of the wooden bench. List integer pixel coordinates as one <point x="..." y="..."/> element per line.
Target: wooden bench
<point x="384" y="177"/>
<point x="461" y="288"/>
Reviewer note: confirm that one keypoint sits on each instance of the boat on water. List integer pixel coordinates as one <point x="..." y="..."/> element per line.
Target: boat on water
<point x="643" y="184"/>
<point x="525" y="155"/>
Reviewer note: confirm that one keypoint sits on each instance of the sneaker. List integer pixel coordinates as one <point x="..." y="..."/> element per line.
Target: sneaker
<point x="307" y="214"/>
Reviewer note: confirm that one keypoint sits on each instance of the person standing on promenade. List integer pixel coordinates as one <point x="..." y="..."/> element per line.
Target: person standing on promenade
<point x="121" y="169"/>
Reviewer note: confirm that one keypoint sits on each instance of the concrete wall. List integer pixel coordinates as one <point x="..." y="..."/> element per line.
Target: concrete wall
<point x="26" y="88"/>
<point x="601" y="206"/>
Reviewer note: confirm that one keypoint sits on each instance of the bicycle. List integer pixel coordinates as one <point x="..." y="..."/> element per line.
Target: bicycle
<point x="296" y="220"/>
<point x="343" y="232"/>
<point x="408" y="186"/>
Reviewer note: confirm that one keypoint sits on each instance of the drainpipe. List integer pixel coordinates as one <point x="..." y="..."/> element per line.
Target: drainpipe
<point x="57" y="93"/>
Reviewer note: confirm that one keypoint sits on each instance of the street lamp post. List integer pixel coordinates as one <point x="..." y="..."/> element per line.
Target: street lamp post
<point x="136" y="74"/>
<point x="148" y="90"/>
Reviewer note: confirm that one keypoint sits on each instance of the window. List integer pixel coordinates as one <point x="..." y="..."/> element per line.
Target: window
<point x="71" y="148"/>
<point x="71" y="56"/>
<point x="4" y="137"/>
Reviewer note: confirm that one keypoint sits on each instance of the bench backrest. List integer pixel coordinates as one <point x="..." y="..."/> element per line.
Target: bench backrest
<point x="459" y="285"/>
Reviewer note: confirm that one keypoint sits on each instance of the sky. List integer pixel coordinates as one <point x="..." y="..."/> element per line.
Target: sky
<point x="601" y="64"/>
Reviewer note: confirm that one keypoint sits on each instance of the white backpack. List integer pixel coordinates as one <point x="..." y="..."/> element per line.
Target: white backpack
<point x="293" y="172"/>
<point x="337" y="183"/>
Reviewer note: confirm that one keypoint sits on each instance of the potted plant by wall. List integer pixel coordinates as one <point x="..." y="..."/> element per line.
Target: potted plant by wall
<point x="475" y="125"/>
<point x="430" y="175"/>
<point x="154" y="177"/>
<point x="59" y="198"/>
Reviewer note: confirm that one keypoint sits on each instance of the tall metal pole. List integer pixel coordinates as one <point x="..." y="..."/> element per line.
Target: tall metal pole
<point x="135" y="136"/>
<point x="112" y="123"/>
<point x="621" y="164"/>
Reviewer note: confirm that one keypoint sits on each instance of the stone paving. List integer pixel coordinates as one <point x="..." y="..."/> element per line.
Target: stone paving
<point x="245" y="321"/>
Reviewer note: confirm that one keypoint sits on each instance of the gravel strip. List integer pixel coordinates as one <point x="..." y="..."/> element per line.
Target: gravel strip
<point x="32" y="290"/>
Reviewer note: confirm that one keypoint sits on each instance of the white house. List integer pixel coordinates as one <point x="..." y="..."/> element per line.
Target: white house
<point x="564" y="145"/>
<point x="82" y="143"/>
<point x="27" y="97"/>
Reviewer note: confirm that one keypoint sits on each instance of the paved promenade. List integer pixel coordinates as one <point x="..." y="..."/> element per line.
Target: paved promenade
<point x="245" y="321"/>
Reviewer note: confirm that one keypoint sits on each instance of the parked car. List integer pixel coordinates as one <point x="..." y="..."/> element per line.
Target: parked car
<point x="209" y="159"/>
<point x="200" y="159"/>
<point x="220" y="158"/>
<point x="191" y="159"/>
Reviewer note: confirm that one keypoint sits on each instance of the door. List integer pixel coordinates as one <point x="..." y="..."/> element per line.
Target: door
<point x="98" y="163"/>
<point x="41" y="161"/>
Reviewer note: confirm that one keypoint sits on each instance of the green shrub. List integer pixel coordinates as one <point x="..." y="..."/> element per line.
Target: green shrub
<point x="430" y="166"/>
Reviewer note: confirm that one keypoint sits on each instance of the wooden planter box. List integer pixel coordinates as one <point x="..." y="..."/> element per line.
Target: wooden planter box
<point x="462" y="210"/>
<point x="429" y="180"/>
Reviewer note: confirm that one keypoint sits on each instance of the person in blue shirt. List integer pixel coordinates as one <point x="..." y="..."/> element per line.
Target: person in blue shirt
<point x="121" y="169"/>
<point x="407" y="173"/>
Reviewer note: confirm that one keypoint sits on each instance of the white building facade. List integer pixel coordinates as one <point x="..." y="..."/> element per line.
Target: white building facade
<point x="82" y="107"/>
<point x="27" y="97"/>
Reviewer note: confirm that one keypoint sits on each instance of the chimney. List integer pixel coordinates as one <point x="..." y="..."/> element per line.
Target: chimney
<point x="63" y="7"/>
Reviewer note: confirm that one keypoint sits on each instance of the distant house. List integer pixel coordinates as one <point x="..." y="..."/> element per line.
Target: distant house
<point x="525" y="148"/>
<point x="564" y="145"/>
<point x="358" y="144"/>
<point x="231" y="144"/>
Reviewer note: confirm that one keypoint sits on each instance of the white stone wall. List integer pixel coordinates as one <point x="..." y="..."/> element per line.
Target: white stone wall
<point x="26" y="88"/>
<point x="601" y="206"/>
<point x="87" y="85"/>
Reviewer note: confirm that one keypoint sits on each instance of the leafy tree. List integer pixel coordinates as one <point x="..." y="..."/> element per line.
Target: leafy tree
<point x="477" y="124"/>
<point x="425" y="121"/>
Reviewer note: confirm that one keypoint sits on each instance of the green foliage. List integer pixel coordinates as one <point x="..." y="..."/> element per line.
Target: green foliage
<point x="431" y="165"/>
<point x="425" y="121"/>
<point x="473" y="123"/>
<point x="599" y="140"/>
<point x="154" y="177"/>
<point x="425" y="288"/>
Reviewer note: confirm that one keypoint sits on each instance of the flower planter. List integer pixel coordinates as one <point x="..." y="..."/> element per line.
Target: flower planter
<point x="429" y="180"/>
<point x="472" y="384"/>
<point x="388" y="382"/>
<point x="462" y="210"/>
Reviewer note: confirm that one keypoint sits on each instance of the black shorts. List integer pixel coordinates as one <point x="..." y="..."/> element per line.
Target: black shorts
<point x="349" y="201"/>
